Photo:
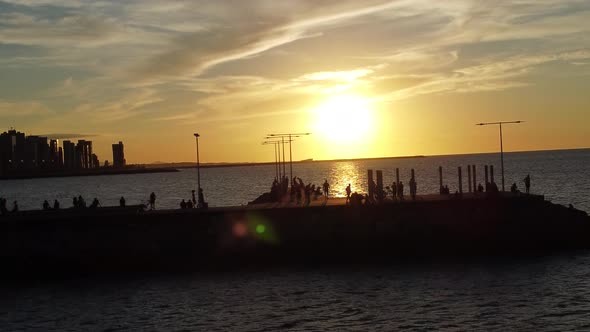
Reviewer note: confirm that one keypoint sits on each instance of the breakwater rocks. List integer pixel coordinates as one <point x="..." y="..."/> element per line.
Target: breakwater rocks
<point x="132" y="239"/>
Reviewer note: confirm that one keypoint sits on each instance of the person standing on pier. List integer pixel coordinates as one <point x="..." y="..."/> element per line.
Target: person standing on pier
<point x="56" y="204"/>
<point x="152" y="201"/>
<point x="122" y="201"/>
<point x="326" y="188"/>
<point x="413" y="188"/>
<point x="527" y="183"/>
<point x="348" y="191"/>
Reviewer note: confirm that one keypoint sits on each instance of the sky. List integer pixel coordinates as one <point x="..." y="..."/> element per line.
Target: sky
<point x="367" y="78"/>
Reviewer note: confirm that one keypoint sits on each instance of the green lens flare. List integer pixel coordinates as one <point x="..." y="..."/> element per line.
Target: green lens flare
<point x="260" y="229"/>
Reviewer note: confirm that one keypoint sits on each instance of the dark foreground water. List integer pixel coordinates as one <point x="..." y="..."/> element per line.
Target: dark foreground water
<point x="548" y="293"/>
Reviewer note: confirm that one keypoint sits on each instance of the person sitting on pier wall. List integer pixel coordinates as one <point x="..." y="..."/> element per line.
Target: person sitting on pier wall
<point x="514" y="188"/>
<point x="75" y="202"/>
<point x="46" y="205"/>
<point x="527" y="183"/>
<point x="81" y="202"/>
<point x="3" y="209"/>
<point x="479" y="188"/>
<point x="56" y="204"/>
<point x="348" y="191"/>
<point x="152" y="201"/>
<point x="122" y="201"/>
<point x="95" y="203"/>
<point x="189" y="204"/>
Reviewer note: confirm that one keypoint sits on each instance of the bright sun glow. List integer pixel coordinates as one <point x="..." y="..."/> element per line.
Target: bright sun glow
<point x="344" y="118"/>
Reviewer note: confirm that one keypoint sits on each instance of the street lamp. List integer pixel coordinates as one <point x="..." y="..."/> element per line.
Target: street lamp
<point x="277" y="155"/>
<point x="290" y="136"/>
<point x="500" y="123"/>
<point x="198" y="164"/>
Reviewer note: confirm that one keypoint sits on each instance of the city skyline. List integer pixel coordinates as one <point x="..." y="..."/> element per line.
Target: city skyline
<point x="370" y="79"/>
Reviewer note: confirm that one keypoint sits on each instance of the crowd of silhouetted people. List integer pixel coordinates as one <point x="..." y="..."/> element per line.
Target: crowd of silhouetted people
<point x="299" y="192"/>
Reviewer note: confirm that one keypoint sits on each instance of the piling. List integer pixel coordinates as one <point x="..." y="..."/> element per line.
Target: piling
<point x="370" y="182"/>
<point x="474" y="178"/>
<point x="460" y="180"/>
<point x="486" y="176"/>
<point x="469" y="177"/>
<point x="379" y="188"/>
<point x="440" y="178"/>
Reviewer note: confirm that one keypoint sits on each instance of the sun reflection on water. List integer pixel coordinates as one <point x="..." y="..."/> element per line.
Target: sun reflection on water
<point x="341" y="175"/>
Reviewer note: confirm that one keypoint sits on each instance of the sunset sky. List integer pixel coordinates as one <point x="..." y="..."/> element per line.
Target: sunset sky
<point x="367" y="78"/>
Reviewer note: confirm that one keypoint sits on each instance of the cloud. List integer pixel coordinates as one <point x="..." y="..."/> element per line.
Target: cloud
<point x="22" y="109"/>
<point x="68" y="136"/>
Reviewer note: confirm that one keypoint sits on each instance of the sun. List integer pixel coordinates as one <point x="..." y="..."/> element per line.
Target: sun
<point x="344" y="118"/>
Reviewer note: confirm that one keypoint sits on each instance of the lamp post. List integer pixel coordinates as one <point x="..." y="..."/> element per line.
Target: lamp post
<point x="290" y="136"/>
<point x="500" y="123"/>
<point x="198" y="164"/>
<point x="277" y="155"/>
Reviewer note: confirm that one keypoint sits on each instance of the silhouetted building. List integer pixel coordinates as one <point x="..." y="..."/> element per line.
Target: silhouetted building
<point x="55" y="158"/>
<point x="36" y="152"/>
<point x="95" y="163"/>
<point x="69" y="152"/>
<point x="118" y="155"/>
<point x="12" y="150"/>
<point x="83" y="154"/>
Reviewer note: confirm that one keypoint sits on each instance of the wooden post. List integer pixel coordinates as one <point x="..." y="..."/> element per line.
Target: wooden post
<point x="486" y="175"/>
<point x="474" y="178"/>
<point x="440" y="178"/>
<point x="469" y="177"/>
<point x="379" y="188"/>
<point x="460" y="180"/>
<point x="370" y="182"/>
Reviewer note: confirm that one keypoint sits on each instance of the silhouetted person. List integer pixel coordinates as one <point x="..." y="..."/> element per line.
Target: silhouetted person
<point x="15" y="207"/>
<point x="56" y="204"/>
<point x="194" y="199"/>
<point x="394" y="189"/>
<point x="326" y="188"/>
<point x="348" y="191"/>
<point x="122" y="201"/>
<point x="201" y="199"/>
<point x="479" y="188"/>
<point x="527" y="183"/>
<point x="46" y="205"/>
<point x="513" y="188"/>
<point x="81" y="202"/>
<point x="95" y="203"/>
<point x="183" y="204"/>
<point x="152" y="201"/>
<point x="400" y="190"/>
<point x="3" y="209"/>
<point x="75" y="202"/>
<point x="189" y="204"/>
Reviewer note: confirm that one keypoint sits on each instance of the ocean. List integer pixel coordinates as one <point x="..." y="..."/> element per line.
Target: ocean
<point x="525" y="293"/>
<point x="562" y="176"/>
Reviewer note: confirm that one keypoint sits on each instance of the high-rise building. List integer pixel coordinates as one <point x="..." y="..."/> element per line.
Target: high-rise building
<point x="12" y="150"/>
<point x="84" y="154"/>
<point x="69" y="152"/>
<point x="119" y="155"/>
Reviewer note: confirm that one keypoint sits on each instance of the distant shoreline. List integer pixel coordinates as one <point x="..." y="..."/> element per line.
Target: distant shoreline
<point x="89" y="172"/>
<point x="182" y="165"/>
